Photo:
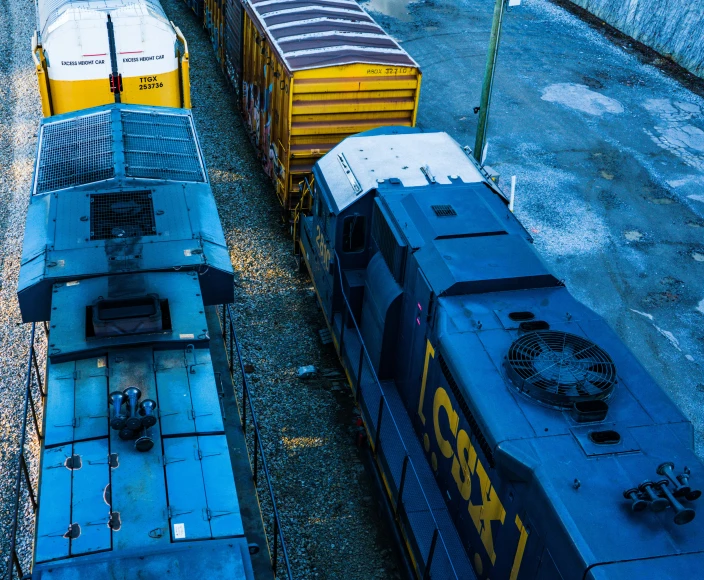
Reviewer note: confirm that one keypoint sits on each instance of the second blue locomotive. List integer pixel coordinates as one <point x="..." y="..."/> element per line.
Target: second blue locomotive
<point x="515" y="435"/>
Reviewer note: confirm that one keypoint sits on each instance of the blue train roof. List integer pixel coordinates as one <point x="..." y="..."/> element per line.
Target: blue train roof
<point x="116" y="190"/>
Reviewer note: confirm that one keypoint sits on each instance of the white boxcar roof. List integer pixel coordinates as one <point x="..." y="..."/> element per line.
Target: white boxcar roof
<point x="310" y="34"/>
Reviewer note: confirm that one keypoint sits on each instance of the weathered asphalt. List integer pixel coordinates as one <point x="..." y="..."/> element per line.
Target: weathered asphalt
<point x="609" y="156"/>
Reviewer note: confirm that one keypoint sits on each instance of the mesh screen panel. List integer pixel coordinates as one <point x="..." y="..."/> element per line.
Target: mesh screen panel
<point x="121" y="215"/>
<point x="161" y="147"/>
<point x="75" y="152"/>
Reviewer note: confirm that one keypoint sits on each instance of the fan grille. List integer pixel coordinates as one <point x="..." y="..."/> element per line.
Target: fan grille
<point x="560" y="369"/>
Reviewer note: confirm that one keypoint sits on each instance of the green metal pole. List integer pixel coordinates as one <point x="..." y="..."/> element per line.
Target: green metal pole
<point x="488" y="79"/>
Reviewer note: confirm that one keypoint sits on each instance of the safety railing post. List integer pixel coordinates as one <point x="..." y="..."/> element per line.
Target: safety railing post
<point x="359" y="374"/>
<point x="382" y="400"/>
<point x="399" y="498"/>
<point x="275" y="560"/>
<point x="256" y="454"/>
<point x="33" y="499"/>
<point x="431" y="553"/>
<point x="244" y="408"/>
<point x="232" y="341"/>
<point x="34" y="415"/>
<point x="16" y="561"/>
<point x="342" y="330"/>
<point x="36" y="370"/>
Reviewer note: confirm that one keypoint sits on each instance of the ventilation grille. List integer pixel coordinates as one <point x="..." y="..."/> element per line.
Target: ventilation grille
<point x="443" y="210"/>
<point x="159" y="146"/>
<point x="560" y="369"/>
<point x="394" y="254"/>
<point x="121" y="215"/>
<point x="473" y="425"/>
<point x="75" y="152"/>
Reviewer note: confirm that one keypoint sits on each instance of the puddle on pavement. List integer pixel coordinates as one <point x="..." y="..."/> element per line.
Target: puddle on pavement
<point x="396" y="8"/>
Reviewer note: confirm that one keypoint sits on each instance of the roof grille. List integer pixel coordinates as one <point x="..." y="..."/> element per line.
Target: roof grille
<point x="121" y="215"/>
<point x="443" y="210"/>
<point x="559" y="369"/>
<point x="75" y="152"/>
<point x="159" y="146"/>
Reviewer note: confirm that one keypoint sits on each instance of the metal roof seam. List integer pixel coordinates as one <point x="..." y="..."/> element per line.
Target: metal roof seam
<point x="342" y="47"/>
<point x="323" y="19"/>
<point x="330" y="33"/>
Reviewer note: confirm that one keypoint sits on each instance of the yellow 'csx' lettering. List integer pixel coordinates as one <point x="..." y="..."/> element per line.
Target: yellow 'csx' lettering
<point x="322" y="248"/>
<point x="454" y="443"/>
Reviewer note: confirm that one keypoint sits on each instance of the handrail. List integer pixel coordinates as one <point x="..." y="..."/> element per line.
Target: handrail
<point x="185" y="69"/>
<point x="299" y="209"/>
<point x="437" y="535"/>
<point x="233" y="347"/>
<point x="22" y="467"/>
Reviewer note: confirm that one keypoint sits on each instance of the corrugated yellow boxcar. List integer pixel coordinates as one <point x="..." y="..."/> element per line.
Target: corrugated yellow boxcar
<point x="313" y="73"/>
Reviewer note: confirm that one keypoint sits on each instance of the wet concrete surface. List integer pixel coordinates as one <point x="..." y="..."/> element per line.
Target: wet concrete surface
<point x="609" y="155"/>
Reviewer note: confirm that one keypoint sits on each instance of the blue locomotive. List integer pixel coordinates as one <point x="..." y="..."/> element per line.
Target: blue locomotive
<point x="123" y="250"/>
<point x="515" y="436"/>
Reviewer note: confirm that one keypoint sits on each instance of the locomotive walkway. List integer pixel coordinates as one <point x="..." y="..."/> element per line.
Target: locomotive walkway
<point x="609" y="155"/>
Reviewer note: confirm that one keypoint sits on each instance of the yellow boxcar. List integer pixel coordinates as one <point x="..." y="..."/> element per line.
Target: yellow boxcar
<point x="313" y="73"/>
<point x="93" y="53"/>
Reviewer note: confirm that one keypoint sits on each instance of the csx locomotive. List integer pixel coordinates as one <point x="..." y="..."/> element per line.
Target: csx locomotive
<point x="123" y="251"/>
<point x="515" y="435"/>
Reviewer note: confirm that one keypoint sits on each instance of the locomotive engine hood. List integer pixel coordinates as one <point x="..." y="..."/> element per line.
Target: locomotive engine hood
<point x="134" y="197"/>
<point x="573" y="467"/>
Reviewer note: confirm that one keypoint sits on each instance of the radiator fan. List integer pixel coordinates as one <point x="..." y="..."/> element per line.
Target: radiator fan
<point x="560" y="369"/>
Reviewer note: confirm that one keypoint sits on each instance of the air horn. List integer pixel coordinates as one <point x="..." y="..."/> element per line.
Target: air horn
<point x="657" y="504"/>
<point x="133" y="394"/>
<point x="683" y="478"/>
<point x="680" y="489"/>
<point x="144" y="442"/>
<point x="147" y="410"/>
<point x="117" y="417"/>
<point x="639" y="504"/>
<point x="683" y="515"/>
